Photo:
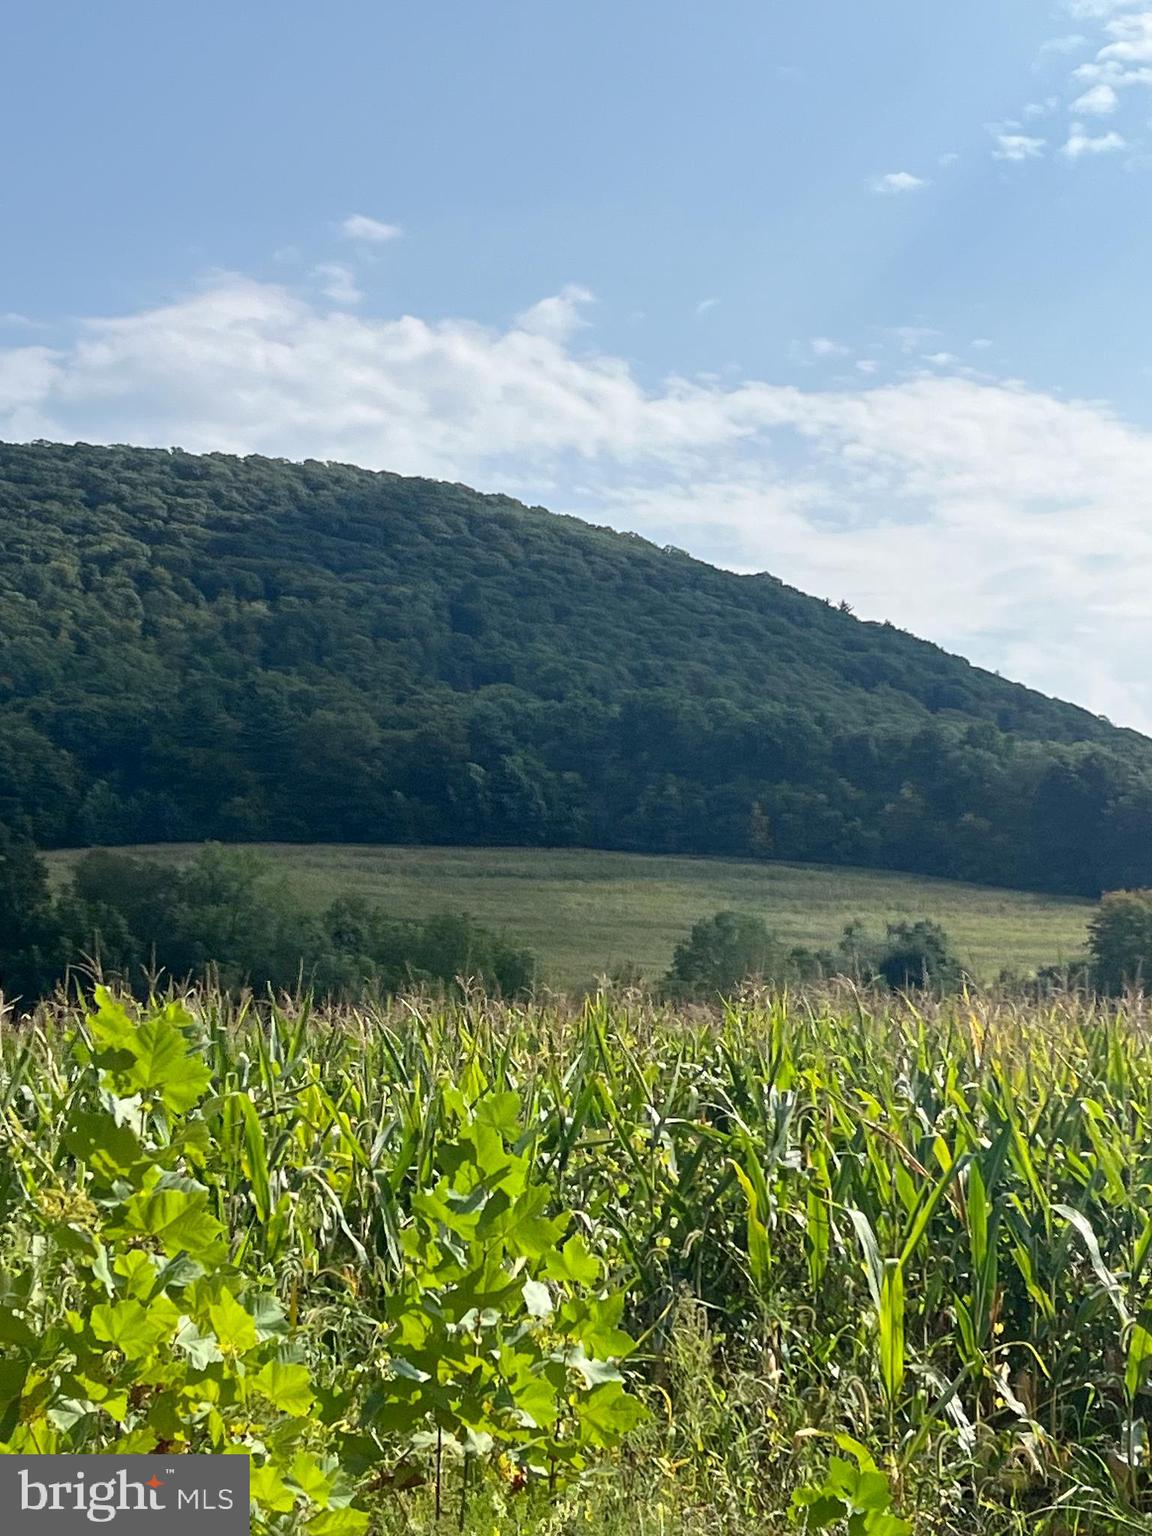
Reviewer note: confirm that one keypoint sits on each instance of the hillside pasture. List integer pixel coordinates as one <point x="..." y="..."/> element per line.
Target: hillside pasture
<point x="585" y="912"/>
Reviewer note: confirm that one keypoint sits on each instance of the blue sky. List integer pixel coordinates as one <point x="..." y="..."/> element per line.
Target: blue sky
<point x="852" y="293"/>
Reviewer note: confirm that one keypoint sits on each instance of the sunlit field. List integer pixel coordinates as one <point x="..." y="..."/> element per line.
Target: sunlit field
<point x="585" y="913"/>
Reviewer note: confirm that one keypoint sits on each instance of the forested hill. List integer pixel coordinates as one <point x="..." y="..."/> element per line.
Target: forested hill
<point x="213" y="647"/>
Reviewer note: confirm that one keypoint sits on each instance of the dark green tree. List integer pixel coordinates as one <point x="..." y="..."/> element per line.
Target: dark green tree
<point x="916" y="955"/>
<point x="1120" y="940"/>
<point x="32" y="950"/>
<point x="720" y="953"/>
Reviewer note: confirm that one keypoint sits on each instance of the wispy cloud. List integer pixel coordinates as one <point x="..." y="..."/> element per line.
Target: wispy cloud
<point x="705" y="305"/>
<point x="1018" y="146"/>
<point x="1071" y="42"/>
<point x="824" y="346"/>
<point x="1081" y="143"/>
<point x="895" y="183"/>
<point x="358" y="226"/>
<point x="911" y="338"/>
<point x="337" y="283"/>
<point x="559" y="317"/>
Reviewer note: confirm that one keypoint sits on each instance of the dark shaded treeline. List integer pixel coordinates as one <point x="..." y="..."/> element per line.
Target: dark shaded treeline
<point x="226" y="916"/>
<point x="212" y="647"/>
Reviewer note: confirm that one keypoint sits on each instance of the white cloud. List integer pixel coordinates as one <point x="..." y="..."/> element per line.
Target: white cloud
<point x="358" y="226"/>
<point x="705" y="305"/>
<point x="941" y="359"/>
<point x="1132" y="40"/>
<point x="1099" y="101"/>
<point x="897" y="182"/>
<point x="1081" y="143"/>
<point x="559" y="317"/>
<point x="1094" y="10"/>
<point x="1127" y="59"/>
<point x="824" y="346"/>
<point x="337" y="283"/>
<point x="1001" y="521"/>
<point x="1017" y="146"/>
<point x="1121" y="59"/>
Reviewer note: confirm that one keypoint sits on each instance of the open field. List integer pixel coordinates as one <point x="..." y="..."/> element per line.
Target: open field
<point x="584" y="912"/>
<point x="615" y="1267"/>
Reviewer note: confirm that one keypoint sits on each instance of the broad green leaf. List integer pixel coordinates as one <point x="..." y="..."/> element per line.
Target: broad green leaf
<point x="234" y="1328"/>
<point x="608" y="1412"/>
<point x="287" y="1387"/>
<point x="574" y="1263"/>
<point x="178" y="1219"/>
<point x="308" y="1475"/>
<point x="164" y="1067"/>
<point x="112" y="1151"/>
<point x="500" y="1112"/>
<point x="132" y="1328"/>
<point x="338" y="1522"/>
<point x="270" y="1491"/>
<point x="821" y="1510"/>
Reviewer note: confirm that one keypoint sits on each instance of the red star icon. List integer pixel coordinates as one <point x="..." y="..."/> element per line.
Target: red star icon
<point x="155" y="1482"/>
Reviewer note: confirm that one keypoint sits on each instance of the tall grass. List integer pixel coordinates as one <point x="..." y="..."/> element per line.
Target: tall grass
<point x="924" y="1225"/>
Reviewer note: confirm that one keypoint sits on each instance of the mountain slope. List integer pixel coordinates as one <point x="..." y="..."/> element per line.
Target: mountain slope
<point x="247" y="648"/>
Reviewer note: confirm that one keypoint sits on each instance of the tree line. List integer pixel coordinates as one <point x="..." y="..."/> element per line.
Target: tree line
<point x="729" y="950"/>
<point x="249" y="650"/>
<point x="225" y="916"/>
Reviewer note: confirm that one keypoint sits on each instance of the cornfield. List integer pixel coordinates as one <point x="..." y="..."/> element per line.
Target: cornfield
<point x="918" y="1232"/>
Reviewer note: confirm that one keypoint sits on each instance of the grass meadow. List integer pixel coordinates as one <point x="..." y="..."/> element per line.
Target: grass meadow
<point x="586" y="912"/>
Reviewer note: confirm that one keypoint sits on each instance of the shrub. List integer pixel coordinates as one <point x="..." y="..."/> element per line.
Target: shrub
<point x="720" y="953"/>
<point x="918" y="954"/>
<point x="1120" y="940"/>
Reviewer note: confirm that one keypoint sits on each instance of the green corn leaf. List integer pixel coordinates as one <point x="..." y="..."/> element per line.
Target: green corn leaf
<point x="1107" y="1279"/>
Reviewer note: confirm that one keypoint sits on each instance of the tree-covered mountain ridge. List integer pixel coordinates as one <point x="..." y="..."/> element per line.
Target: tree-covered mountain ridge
<point x="205" y="646"/>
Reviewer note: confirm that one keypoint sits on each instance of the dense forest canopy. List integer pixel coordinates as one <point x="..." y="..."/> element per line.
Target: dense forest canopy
<point x="200" y="647"/>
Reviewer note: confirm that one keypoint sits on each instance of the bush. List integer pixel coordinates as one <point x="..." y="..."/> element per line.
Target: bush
<point x="720" y="953"/>
<point x="918" y="954"/>
<point x="1120" y="940"/>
